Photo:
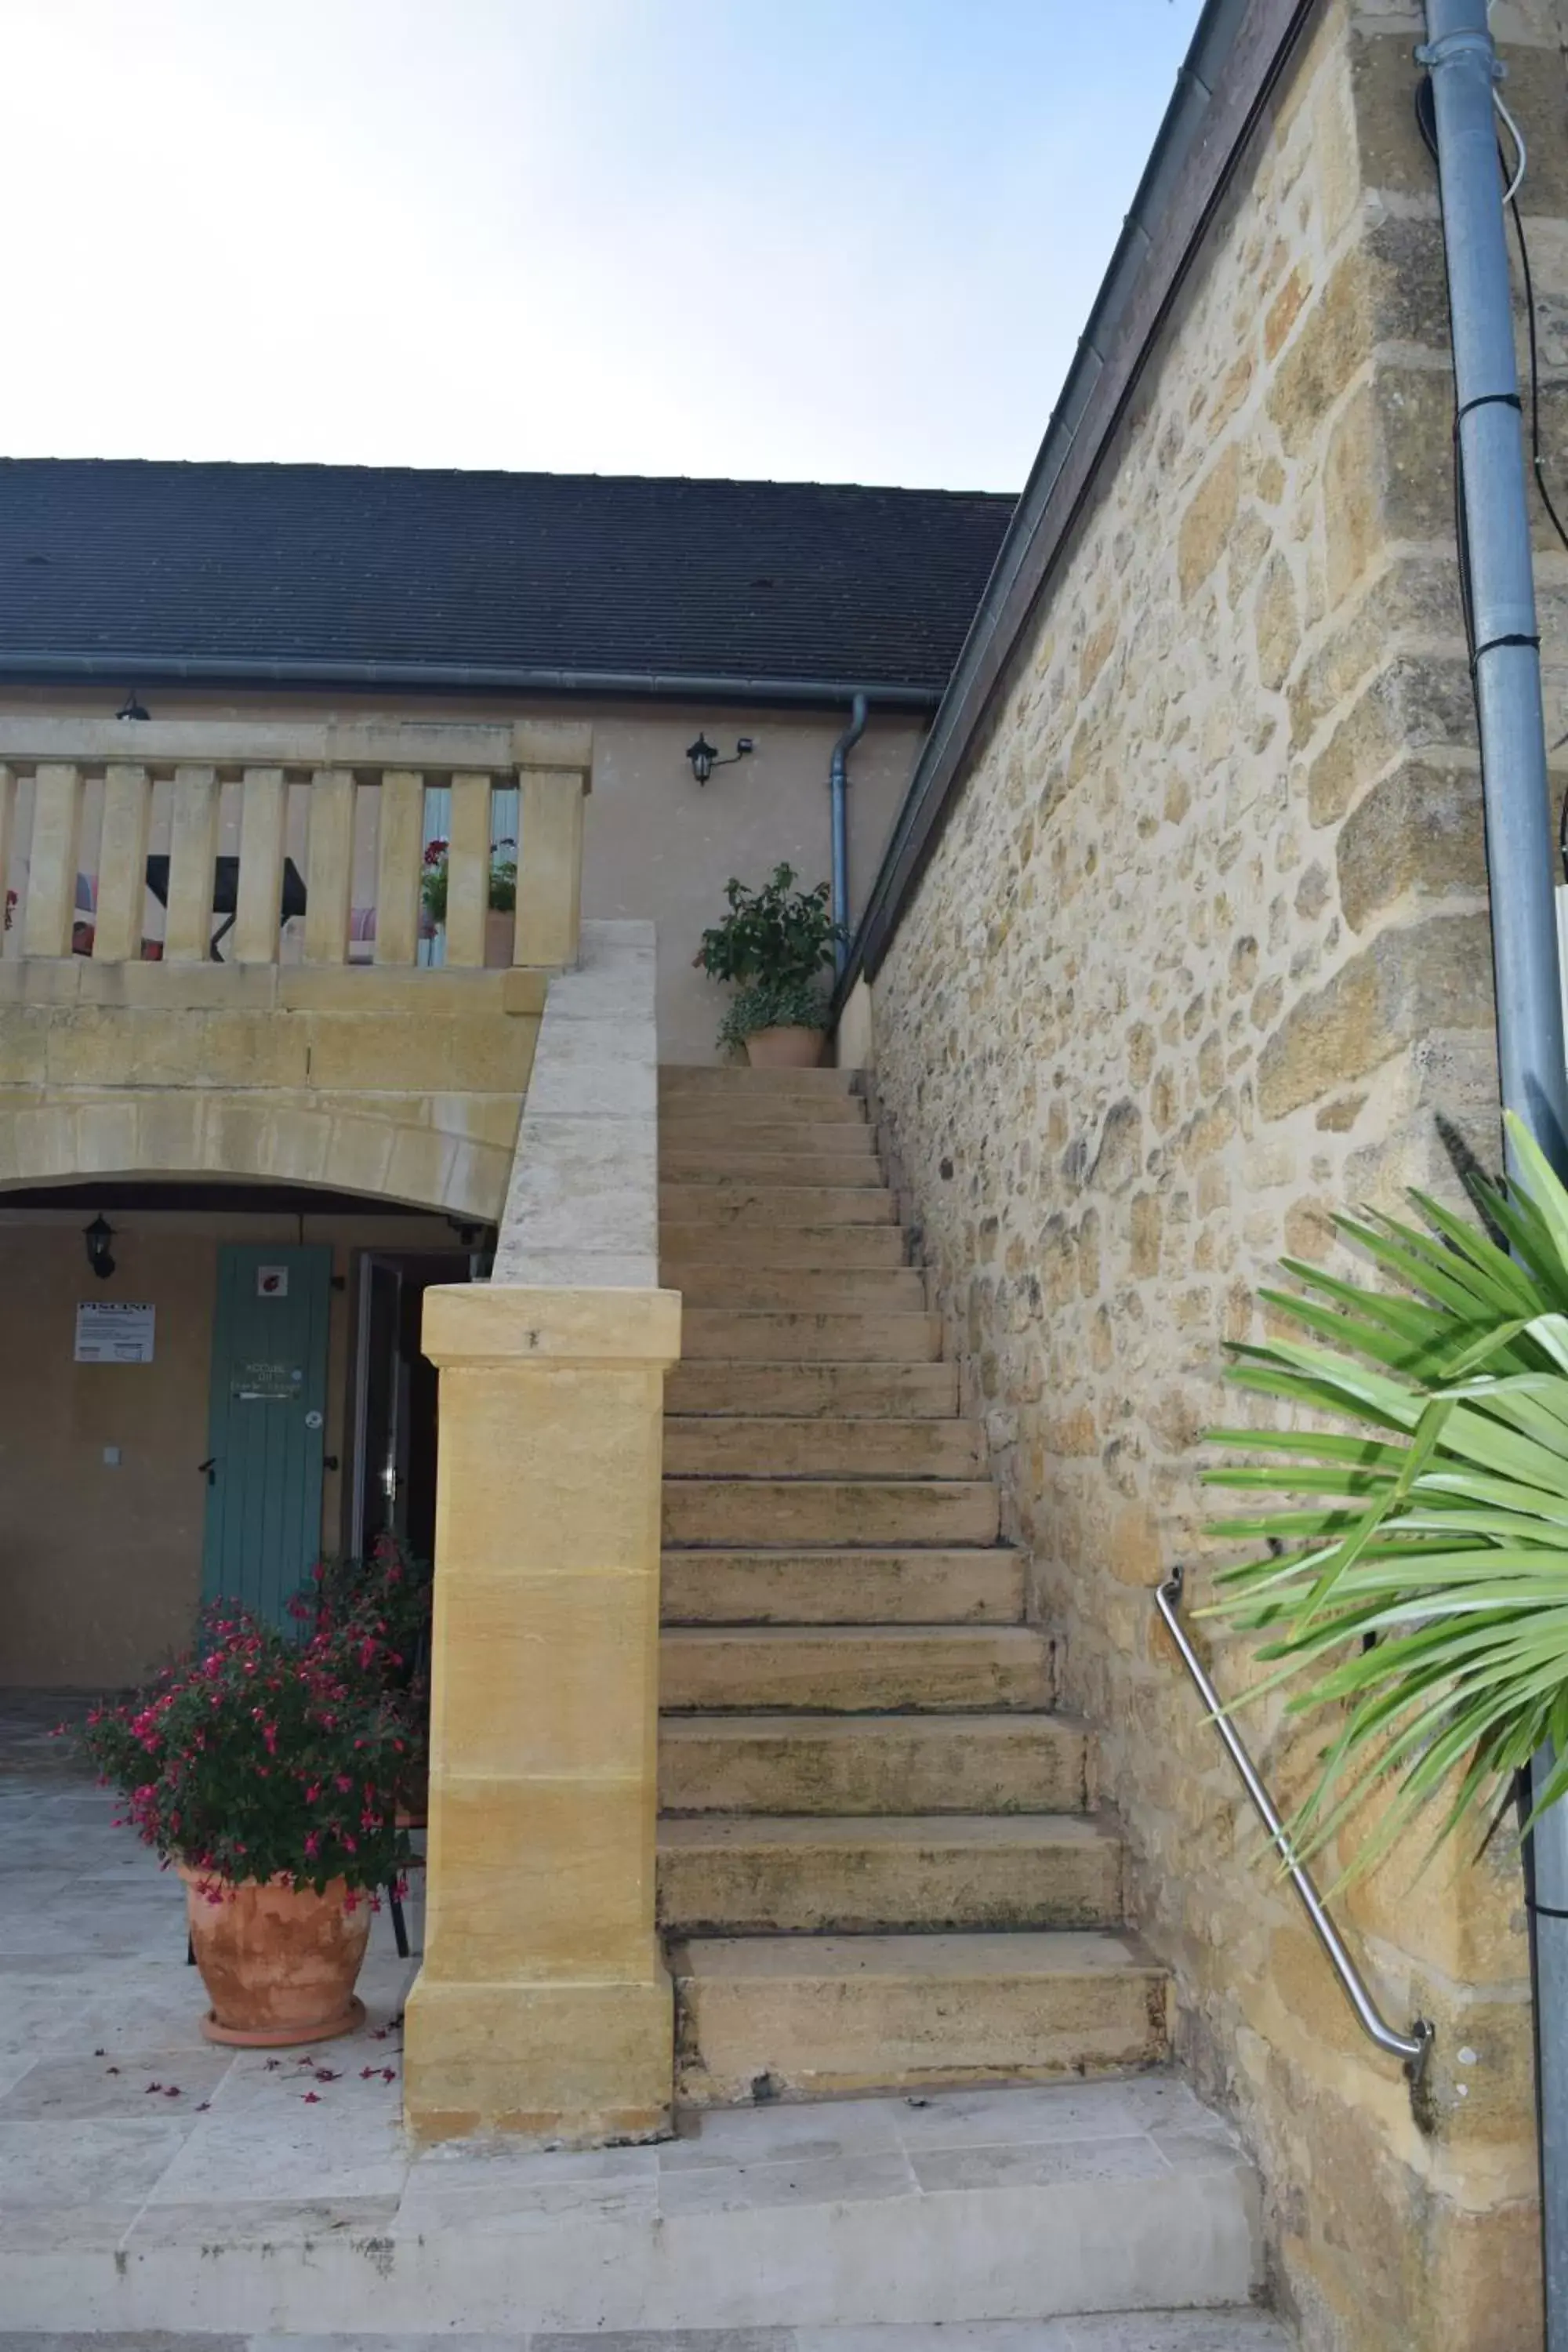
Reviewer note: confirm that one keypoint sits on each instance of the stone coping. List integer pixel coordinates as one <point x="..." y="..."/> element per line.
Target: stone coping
<point x="439" y="747"/>
<point x="582" y="1209"/>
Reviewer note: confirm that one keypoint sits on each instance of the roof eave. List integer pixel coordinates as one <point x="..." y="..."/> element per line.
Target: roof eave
<point x="462" y="677"/>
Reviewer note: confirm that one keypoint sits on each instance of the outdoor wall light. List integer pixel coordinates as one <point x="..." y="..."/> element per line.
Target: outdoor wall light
<point x="100" y="1256"/>
<point x="704" y="756"/>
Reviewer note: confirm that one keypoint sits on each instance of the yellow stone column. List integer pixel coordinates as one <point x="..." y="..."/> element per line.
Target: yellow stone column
<point x="549" y="867"/>
<point x="544" y="2005"/>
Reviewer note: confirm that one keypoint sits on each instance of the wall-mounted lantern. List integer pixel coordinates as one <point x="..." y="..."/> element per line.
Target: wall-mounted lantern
<point x="704" y="756"/>
<point x="100" y="1256"/>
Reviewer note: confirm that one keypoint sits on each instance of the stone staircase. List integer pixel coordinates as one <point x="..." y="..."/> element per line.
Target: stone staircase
<point x="881" y="1865"/>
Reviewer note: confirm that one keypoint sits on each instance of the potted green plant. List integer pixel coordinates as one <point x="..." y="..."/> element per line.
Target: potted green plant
<point x="1415" y="1593"/>
<point x="266" y="1770"/>
<point x="502" y="897"/>
<point x="776" y="946"/>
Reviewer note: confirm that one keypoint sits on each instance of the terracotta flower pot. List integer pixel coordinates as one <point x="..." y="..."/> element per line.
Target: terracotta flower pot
<point x="280" y="1962"/>
<point x="499" y="923"/>
<point x="784" y="1049"/>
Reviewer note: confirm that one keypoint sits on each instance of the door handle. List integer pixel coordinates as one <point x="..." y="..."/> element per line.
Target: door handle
<point x="210" y="1466"/>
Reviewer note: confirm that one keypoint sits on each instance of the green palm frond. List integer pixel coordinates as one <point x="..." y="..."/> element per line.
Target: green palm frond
<point x="1415" y="1578"/>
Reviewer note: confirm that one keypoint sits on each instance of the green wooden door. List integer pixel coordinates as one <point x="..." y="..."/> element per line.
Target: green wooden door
<point x="267" y="1424"/>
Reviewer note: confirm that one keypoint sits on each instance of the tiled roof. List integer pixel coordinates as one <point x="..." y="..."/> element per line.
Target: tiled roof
<point x="146" y="566"/>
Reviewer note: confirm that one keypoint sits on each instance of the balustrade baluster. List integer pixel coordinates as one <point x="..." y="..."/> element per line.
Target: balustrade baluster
<point x="468" y="872"/>
<point x="192" y="863"/>
<point x="121" y="865"/>
<point x="264" y="808"/>
<point x="52" y="860"/>
<point x="399" y="864"/>
<point x="329" y="864"/>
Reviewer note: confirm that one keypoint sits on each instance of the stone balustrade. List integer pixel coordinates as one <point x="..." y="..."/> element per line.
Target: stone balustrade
<point x="543" y="2006"/>
<point x="189" y="841"/>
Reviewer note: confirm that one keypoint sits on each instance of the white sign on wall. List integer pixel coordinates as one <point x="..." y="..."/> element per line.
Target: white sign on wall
<point x="272" y="1281"/>
<point x="113" y="1331"/>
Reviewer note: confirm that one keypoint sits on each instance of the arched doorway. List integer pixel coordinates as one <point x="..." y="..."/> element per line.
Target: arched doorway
<point x="192" y="1414"/>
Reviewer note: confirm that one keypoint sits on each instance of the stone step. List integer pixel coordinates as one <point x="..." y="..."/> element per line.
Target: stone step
<point x="716" y="1137"/>
<point x="735" y="1163"/>
<point x="1049" y="2200"/>
<point x="829" y="1511"/>
<point x="858" y="1669"/>
<point x="769" y="1206"/>
<point x="707" y="1445"/>
<point x="892" y="1288"/>
<point x="777" y="1336"/>
<point x="825" y="2016"/>
<point x="730" y="1082"/>
<point x="872" y="1764"/>
<point x="912" y="1587"/>
<point x="874" y="1391"/>
<point x="811" y="1247"/>
<point x="875" y="1875"/>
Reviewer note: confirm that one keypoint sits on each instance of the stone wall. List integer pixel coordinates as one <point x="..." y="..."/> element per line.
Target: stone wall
<point x="1201" y="955"/>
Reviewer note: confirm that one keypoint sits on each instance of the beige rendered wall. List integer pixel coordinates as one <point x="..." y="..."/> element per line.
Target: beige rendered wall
<point x="657" y="848"/>
<point x="1203" y="955"/>
<point x="101" y="1566"/>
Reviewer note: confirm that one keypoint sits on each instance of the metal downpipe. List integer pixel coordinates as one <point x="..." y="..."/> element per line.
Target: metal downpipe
<point x="1506" y="658"/>
<point x="838" y="786"/>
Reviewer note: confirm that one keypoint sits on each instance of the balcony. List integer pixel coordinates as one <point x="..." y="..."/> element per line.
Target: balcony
<point x="219" y="960"/>
<point x="189" y="843"/>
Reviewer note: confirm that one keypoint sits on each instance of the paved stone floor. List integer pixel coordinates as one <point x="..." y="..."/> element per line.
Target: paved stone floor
<point x="1167" y="2332"/>
<point x="149" y="2180"/>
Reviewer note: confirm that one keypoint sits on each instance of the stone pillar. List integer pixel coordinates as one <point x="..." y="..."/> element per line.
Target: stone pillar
<point x="549" y="867"/>
<point x="544" y="2005"/>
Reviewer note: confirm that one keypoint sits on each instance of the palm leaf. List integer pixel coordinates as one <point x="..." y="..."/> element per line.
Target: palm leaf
<point x="1413" y="1591"/>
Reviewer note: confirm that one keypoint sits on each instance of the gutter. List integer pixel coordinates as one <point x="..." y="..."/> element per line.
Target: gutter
<point x="1235" y="57"/>
<point x="660" y="686"/>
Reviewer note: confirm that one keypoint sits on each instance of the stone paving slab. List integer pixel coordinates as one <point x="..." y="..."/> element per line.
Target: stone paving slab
<point x="1235" y="2331"/>
<point x="151" y="2182"/>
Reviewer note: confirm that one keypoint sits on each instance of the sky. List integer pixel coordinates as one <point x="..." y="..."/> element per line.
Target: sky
<point x="835" y="240"/>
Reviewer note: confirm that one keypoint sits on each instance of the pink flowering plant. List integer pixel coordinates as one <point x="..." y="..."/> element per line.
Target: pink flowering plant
<point x="257" y="1756"/>
<point x="378" y="1606"/>
<point x="376" y="1613"/>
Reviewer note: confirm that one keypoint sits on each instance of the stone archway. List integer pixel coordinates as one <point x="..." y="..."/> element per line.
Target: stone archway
<point x="422" y="1151"/>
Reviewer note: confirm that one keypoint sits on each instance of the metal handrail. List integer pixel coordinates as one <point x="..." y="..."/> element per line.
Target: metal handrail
<point x="1415" y="2047"/>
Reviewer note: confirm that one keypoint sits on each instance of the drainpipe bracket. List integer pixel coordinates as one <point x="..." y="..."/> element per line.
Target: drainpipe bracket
<point x="1454" y="45"/>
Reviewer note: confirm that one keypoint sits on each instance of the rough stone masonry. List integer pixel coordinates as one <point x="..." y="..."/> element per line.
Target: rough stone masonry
<point x="1202" y="956"/>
